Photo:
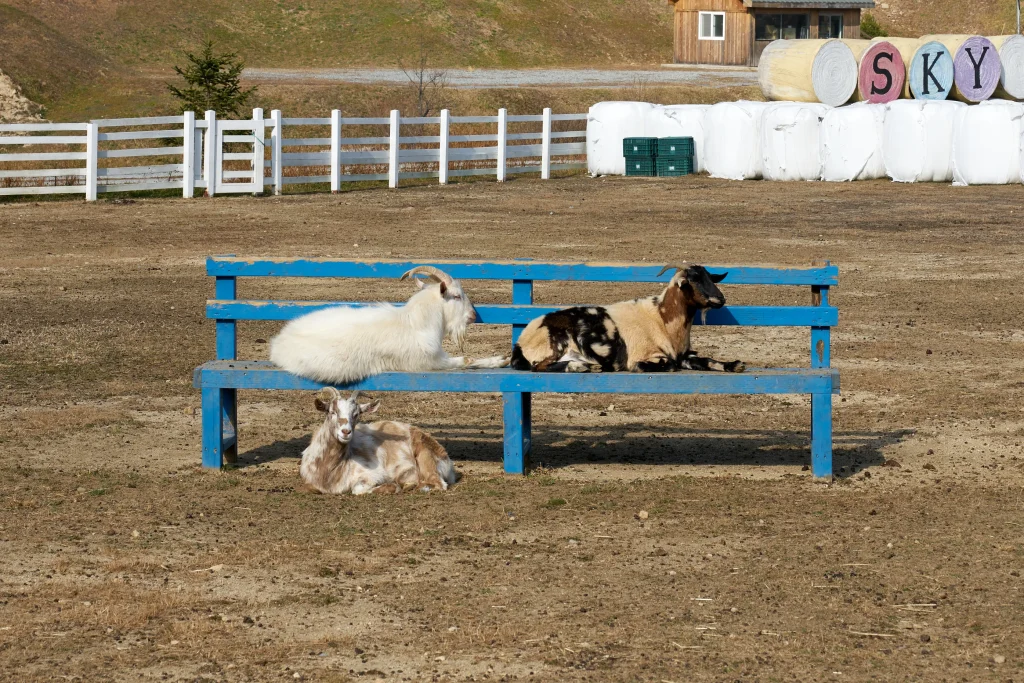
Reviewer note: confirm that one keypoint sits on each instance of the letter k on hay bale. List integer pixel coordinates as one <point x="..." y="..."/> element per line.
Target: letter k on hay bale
<point x="931" y="72"/>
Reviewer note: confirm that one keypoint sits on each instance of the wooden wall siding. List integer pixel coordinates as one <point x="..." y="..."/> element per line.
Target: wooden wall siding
<point x="734" y="50"/>
<point x="710" y="6"/>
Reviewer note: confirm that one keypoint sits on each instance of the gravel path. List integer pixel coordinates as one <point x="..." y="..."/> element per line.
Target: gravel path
<point x="514" y="78"/>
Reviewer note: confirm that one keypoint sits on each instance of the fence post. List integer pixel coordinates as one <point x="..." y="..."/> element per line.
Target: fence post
<point x="275" y="150"/>
<point x="92" y="156"/>
<point x="545" y="147"/>
<point x="197" y="157"/>
<point x="335" y="150"/>
<point x="442" y="152"/>
<point x="188" y="155"/>
<point x="502" y="143"/>
<point x="393" y="150"/>
<point x="258" y="150"/>
<point x="210" y="156"/>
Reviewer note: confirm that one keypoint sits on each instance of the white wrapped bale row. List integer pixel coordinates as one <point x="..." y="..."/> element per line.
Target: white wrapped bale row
<point x="986" y="144"/>
<point x="608" y="123"/>
<point x="732" y="140"/>
<point x="917" y="143"/>
<point x="789" y="141"/>
<point x="680" y="121"/>
<point x="851" y="143"/>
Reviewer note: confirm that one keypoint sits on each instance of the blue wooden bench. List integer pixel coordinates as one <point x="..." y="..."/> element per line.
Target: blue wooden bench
<point x="220" y="379"/>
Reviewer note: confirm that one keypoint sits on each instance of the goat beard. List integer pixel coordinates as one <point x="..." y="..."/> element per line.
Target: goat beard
<point x="457" y="333"/>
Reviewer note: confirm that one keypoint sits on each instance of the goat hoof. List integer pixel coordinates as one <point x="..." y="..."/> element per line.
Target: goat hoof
<point x="736" y="366"/>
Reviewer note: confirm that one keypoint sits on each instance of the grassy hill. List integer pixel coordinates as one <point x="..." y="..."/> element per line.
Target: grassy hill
<point x="91" y="57"/>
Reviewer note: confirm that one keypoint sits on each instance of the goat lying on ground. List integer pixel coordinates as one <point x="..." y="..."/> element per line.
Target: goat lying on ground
<point x="345" y="344"/>
<point x="346" y="456"/>
<point x="644" y="335"/>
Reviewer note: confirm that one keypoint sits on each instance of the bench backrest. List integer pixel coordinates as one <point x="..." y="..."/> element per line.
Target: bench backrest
<point x="226" y="308"/>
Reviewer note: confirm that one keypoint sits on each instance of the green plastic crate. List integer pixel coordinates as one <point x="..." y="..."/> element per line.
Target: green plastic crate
<point x="640" y="147"/>
<point x="640" y="166"/>
<point x="675" y="147"/>
<point x="674" y="166"/>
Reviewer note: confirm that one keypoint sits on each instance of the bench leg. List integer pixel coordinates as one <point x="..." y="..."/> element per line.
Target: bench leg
<point x="229" y="403"/>
<point x="821" y="435"/>
<point x="518" y="413"/>
<point x="220" y="430"/>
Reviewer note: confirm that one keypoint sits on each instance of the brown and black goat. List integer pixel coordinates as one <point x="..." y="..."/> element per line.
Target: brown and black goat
<point x="651" y="334"/>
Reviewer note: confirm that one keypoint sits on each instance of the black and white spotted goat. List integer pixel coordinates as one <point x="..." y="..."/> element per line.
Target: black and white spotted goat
<point x="651" y="334"/>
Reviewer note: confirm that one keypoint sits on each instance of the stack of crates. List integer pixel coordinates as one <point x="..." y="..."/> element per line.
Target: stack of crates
<point x="658" y="156"/>
<point x="641" y="156"/>
<point x="675" y="156"/>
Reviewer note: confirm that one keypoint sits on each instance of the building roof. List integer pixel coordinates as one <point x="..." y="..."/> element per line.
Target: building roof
<point x="811" y="4"/>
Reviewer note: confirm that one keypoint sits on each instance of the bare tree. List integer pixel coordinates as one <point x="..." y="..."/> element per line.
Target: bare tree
<point x="428" y="84"/>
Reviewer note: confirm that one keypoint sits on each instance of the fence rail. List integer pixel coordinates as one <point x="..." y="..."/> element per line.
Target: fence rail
<point x="233" y="156"/>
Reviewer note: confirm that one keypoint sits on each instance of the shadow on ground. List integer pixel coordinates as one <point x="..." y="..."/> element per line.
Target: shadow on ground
<point x="553" y="448"/>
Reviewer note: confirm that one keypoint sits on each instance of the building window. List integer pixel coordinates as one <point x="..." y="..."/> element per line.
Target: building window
<point x="712" y="26"/>
<point x="830" y="25"/>
<point x="782" y="26"/>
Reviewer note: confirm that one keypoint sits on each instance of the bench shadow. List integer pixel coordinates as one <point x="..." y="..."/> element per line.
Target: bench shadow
<point x="554" y="447"/>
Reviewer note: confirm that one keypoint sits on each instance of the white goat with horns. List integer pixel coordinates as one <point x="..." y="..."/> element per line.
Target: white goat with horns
<point x="344" y="344"/>
<point x="346" y="456"/>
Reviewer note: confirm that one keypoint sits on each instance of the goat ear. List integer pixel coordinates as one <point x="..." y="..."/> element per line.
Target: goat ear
<point x="369" y="408"/>
<point x="321" y="405"/>
<point x="718" y="278"/>
<point x="444" y="288"/>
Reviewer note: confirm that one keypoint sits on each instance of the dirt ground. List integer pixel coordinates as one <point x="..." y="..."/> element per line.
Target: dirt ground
<point x="122" y="560"/>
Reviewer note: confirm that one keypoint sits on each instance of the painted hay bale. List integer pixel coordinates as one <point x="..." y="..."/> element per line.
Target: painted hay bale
<point x="732" y="140"/>
<point x="976" y="68"/>
<point x="917" y="140"/>
<point x="789" y="140"/>
<point x="931" y="72"/>
<point x="608" y="124"/>
<point x="1011" y="61"/>
<point x="882" y="73"/>
<point x="680" y="121"/>
<point x="986" y="144"/>
<point x="808" y="71"/>
<point x="907" y="47"/>
<point x="850" y="143"/>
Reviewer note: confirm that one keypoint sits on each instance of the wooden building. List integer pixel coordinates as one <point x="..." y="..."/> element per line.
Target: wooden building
<point x="735" y="32"/>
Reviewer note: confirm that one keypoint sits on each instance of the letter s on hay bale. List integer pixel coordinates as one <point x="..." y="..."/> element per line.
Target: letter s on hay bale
<point x="1011" y="58"/>
<point x="907" y="48"/>
<point x="882" y="73"/>
<point x="976" y="67"/>
<point x="808" y="71"/>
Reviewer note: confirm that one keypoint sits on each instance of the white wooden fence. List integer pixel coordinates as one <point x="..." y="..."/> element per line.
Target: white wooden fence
<point x="222" y="156"/>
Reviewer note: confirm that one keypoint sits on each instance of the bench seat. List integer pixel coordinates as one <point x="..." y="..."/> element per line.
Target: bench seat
<point x="237" y="374"/>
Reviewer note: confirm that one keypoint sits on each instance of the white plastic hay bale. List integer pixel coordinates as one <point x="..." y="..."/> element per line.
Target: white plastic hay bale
<point x="608" y="123"/>
<point x="680" y="120"/>
<point x="851" y="143"/>
<point x="732" y="140"/>
<point x="789" y="141"/>
<point x="986" y="144"/>
<point x="809" y="71"/>
<point x="917" y="143"/>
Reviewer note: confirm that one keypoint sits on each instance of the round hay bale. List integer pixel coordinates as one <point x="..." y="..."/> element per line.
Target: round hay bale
<point x="1011" y="59"/>
<point x="851" y="143"/>
<point x="976" y="68"/>
<point x="986" y="144"/>
<point x="808" y="71"/>
<point x="882" y="73"/>
<point x="931" y="72"/>
<point x="732" y="140"/>
<point x="917" y="140"/>
<point x="907" y="47"/>
<point x="789" y="140"/>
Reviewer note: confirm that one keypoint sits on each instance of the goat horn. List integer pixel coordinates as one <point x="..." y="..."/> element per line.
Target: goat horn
<point x="433" y="273"/>
<point x="328" y="394"/>
<point x="670" y="267"/>
<point x="354" y="397"/>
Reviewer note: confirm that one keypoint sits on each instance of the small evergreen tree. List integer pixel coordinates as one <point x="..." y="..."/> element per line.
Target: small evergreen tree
<point x="870" y="28"/>
<point x="212" y="82"/>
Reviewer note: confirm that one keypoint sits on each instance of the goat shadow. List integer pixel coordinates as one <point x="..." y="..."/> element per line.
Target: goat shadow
<point x="553" y="447"/>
